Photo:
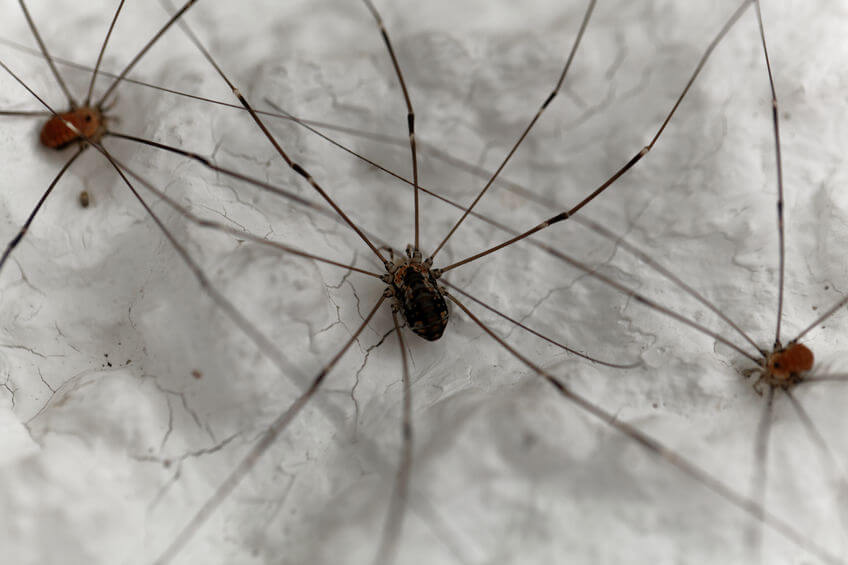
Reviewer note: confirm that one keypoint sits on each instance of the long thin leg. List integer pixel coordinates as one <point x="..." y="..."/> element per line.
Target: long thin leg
<point x="262" y="342"/>
<point x="236" y="175"/>
<point x="760" y="478"/>
<point x="827" y="314"/>
<point x="642" y="152"/>
<point x="218" y="226"/>
<point x="781" y="232"/>
<point x="20" y="235"/>
<point x="261" y="446"/>
<point x="648" y="302"/>
<point x="526" y="131"/>
<point x="540" y="335"/>
<point x="82" y="67"/>
<point x="296" y="167"/>
<point x="656" y="266"/>
<point x="812" y="430"/>
<point x="645" y="300"/>
<point x="72" y="64"/>
<point x="394" y="518"/>
<point x="212" y="166"/>
<point x="837" y="471"/>
<point x="100" y="55"/>
<point x="747" y="505"/>
<point x="35" y="113"/>
<point x="410" y="113"/>
<point x="47" y="57"/>
<point x="383" y="138"/>
<point x="144" y="50"/>
<point x="825" y="378"/>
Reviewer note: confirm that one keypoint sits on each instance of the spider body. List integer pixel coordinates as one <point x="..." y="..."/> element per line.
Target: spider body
<point x="784" y="367"/>
<point x="417" y="295"/>
<point x="87" y="121"/>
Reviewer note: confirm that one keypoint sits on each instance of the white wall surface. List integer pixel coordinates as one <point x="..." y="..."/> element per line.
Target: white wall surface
<point x="110" y="444"/>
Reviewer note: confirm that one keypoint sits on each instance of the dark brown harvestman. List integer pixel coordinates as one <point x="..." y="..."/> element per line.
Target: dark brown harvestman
<point x="415" y="262"/>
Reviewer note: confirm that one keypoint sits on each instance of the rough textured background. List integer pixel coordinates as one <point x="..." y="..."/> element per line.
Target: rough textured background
<point x="110" y="443"/>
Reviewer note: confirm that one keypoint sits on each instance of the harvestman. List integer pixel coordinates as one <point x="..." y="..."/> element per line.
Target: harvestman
<point x="83" y="125"/>
<point x="87" y="124"/>
<point x="424" y="307"/>
<point x="784" y="366"/>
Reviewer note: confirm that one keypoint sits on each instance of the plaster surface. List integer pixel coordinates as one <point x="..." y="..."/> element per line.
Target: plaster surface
<point x="128" y="395"/>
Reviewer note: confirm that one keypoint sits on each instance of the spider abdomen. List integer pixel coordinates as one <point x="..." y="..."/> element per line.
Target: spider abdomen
<point x="793" y="360"/>
<point x="420" y="301"/>
<point x="57" y="135"/>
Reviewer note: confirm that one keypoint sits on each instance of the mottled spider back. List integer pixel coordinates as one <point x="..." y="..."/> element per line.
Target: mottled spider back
<point x="418" y="296"/>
